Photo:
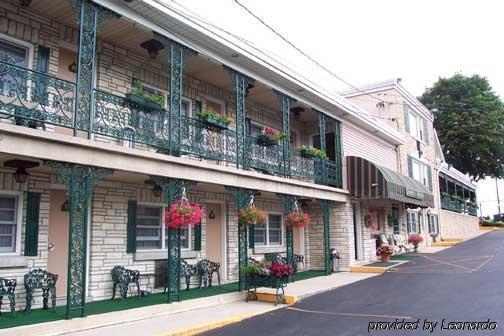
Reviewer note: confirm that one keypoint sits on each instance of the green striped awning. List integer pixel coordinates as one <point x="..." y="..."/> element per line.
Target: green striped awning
<point x="367" y="180"/>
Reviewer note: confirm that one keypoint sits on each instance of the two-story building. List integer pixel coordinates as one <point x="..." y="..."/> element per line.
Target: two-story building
<point x="112" y="110"/>
<point x="405" y="195"/>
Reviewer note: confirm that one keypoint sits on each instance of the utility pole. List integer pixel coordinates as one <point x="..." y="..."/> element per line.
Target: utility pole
<point x="498" y="198"/>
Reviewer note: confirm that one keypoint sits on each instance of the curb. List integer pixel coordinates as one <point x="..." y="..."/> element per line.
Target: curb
<point x="194" y="330"/>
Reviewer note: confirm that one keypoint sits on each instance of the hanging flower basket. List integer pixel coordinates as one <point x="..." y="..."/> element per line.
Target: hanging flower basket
<point x="251" y="216"/>
<point x="181" y="214"/>
<point x="297" y="219"/>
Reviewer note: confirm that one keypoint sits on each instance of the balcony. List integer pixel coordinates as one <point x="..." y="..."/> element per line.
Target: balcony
<point x="37" y="100"/>
<point x="456" y="205"/>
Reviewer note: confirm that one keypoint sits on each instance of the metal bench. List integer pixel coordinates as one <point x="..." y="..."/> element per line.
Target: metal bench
<point x="40" y="279"/>
<point x="7" y="288"/>
<point x="124" y="277"/>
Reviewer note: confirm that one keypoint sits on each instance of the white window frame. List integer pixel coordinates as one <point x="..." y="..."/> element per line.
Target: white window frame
<point x="433" y="225"/>
<point x="19" y="220"/>
<point x="423" y="168"/>
<point x="408" y="222"/>
<point x="418" y="121"/>
<point x="266" y="226"/>
<point x="163" y="230"/>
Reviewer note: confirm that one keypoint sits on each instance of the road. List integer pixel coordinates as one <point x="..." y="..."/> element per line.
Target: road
<point x="461" y="284"/>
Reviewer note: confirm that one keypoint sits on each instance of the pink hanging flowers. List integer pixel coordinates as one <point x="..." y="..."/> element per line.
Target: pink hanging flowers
<point x="297" y="219"/>
<point x="181" y="214"/>
<point x="280" y="270"/>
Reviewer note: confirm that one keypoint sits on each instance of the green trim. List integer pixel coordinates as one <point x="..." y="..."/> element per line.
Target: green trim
<point x="197" y="237"/>
<point x="32" y="224"/>
<point x="251" y="237"/>
<point x="131" y="227"/>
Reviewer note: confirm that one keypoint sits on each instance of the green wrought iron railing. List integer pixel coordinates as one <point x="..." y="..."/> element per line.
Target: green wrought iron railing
<point x="268" y="159"/>
<point x="35" y="99"/>
<point x="452" y="205"/>
<point x="32" y="98"/>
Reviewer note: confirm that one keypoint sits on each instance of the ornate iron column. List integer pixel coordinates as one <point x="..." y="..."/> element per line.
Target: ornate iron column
<point x="320" y="163"/>
<point x="80" y="181"/>
<point x="241" y="82"/>
<point x="177" y="57"/>
<point x="90" y="17"/>
<point x="173" y="190"/>
<point x="241" y="198"/>
<point x="288" y="202"/>
<point x="285" y="102"/>
<point x="339" y="153"/>
<point x="324" y="204"/>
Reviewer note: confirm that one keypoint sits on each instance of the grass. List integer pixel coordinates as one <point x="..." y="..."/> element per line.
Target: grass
<point x="106" y="306"/>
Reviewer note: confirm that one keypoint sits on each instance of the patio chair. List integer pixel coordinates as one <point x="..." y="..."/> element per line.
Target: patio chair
<point x="186" y="271"/>
<point x="40" y="279"/>
<point x="299" y="259"/>
<point x="400" y="243"/>
<point x="206" y="269"/>
<point x="124" y="277"/>
<point x="7" y="288"/>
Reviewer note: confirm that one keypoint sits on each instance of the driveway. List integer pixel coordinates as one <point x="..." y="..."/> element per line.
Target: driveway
<point x="461" y="284"/>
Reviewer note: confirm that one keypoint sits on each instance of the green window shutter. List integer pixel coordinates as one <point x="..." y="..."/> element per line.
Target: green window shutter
<point x="410" y="166"/>
<point x="426" y="131"/>
<point x="32" y="224"/>
<point x="40" y="94"/>
<point x="131" y="227"/>
<point x="406" y="117"/>
<point x="251" y="237"/>
<point x="429" y="177"/>
<point x="197" y="237"/>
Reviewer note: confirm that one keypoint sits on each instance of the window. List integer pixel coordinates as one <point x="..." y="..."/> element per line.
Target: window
<point x="14" y="54"/>
<point x="416" y="125"/>
<point x="8" y="223"/>
<point x="420" y="172"/>
<point x="411" y="221"/>
<point x="433" y="224"/>
<point x="395" y="218"/>
<point x="150" y="228"/>
<point x="270" y="233"/>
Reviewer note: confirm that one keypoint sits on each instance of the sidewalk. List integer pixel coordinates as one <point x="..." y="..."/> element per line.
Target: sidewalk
<point x="171" y="319"/>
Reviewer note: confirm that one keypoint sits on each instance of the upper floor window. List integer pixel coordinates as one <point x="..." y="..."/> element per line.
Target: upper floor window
<point x="416" y="125"/>
<point x="270" y="233"/>
<point x="14" y="54"/>
<point x="420" y="171"/>
<point x="8" y="223"/>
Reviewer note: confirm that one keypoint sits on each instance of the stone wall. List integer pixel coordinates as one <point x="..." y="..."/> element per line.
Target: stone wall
<point x="456" y="225"/>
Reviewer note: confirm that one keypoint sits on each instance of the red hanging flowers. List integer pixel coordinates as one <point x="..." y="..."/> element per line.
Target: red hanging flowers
<point x="181" y="214"/>
<point x="297" y="219"/>
<point x="280" y="270"/>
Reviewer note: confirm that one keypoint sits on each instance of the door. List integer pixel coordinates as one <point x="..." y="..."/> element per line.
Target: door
<point x="298" y="235"/>
<point x="57" y="262"/>
<point x="67" y="70"/>
<point x="214" y="233"/>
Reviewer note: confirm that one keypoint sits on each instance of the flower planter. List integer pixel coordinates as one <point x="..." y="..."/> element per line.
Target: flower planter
<point x="142" y="103"/>
<point x="385" y="258"/>
<point x="264" y="140"/>
<point x="262" y="280"/>
<point x="308" y="155"/>
<point x="215" y="125"/>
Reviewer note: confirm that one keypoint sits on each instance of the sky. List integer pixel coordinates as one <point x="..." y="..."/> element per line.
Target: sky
<point x="365" y="41"/>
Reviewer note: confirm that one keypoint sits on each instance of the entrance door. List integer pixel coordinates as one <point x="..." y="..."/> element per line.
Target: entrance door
<point x="57" y="262"/>
<point x="214" y="236"/>
<point x="298" y="235"/>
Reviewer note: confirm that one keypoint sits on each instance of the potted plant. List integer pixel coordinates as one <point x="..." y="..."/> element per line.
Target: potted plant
<point x="181" y="214"/>
<point x="270" y="136"/>
<point x="251" y="216"/>
<point x="297" y="219"/>
<point x="312" y="152"/>
<point x="384" y="251"/>
<point x="445" y="195"/>
<point x="280" y="270"/>
<point x="144" y="101"/>
<point x="415" y="239"/>
<point x="214" y="120"/>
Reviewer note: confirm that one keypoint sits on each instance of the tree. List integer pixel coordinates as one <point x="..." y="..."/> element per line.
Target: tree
<point x="469" y="119"/>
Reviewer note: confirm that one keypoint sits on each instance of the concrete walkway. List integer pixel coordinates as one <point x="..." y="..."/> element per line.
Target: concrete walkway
<point x="177" y="318"/>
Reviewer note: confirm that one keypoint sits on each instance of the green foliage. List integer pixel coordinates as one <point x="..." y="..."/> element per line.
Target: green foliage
<point x="255" y="268"/>
<point x="469" y="119"/>
<point x="211" y="114"/>
<point x="312" y="151"/>
<point x="155" y="98"/>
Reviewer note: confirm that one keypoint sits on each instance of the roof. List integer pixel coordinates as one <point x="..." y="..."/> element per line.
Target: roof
<point x="175" y="22"/>
<point x="457" y="175"/>
<point x="410" y="99"/>
<point x="368" y="180"/>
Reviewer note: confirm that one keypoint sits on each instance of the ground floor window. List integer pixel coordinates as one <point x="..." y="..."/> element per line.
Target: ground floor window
<point x="270" y="233"/>
<point x="395" y="218"/>
<point x="150" y="228"/>
<point x="8" y="222"/>
<point x="433" y="224"/>
<point x="412" y="222"/>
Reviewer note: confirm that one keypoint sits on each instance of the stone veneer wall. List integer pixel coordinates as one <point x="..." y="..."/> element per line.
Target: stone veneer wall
<point x="456" y="225"/>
